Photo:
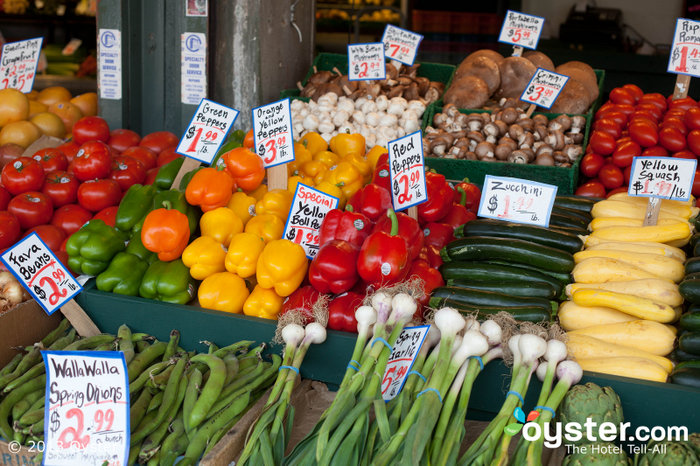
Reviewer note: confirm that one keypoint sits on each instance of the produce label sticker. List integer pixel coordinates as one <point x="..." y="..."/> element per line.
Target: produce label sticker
<point x="272" y="131"/>
<point x="309" y="208"/>
<point x="207" y="131"/>
<point x="86" y="414"/>
<point x="366" y="61"/>
<point x="18" y="64"/>
<point x="407" y="171"/>
<point x="401" y="360"/>
<point x="36" y="267"/>
<point x="544" y="88"/>
<point x="193" y="67"/>
<point x="685" y="50"/>
<point x="521" y="29"/>
<point x="400" y="45"/>
<point x="516" y="200"/>
<point x="109" y="64"/>
<point x="662" y="177"/>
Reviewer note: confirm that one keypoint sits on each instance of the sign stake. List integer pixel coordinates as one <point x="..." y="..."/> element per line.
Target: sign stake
<point x="187" y="166"/>
<point x="77" y="317"/>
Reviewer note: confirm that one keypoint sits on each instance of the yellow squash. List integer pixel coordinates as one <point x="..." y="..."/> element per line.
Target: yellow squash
<point x="635" y="368"/>
<point x="680" y="208"/>
<point x="644" y="335"/>
<point x="658" y="233"/>
<point x="573" y="316"/>
<point x="629" y="304"/>
<point x="603" y="269"/>
<point x="656" y="289"/>
<point x="585" y="347"/>
<point x="615" y="208"/>
<point x="604" y="222"/>
<point x="646" y="247"/>
<point x="661" y="266"/>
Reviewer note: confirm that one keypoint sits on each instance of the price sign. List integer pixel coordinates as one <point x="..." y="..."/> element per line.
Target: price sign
<point x="400" y="45"/>
<point x="544" y="88"/>
<point x="401" y="360"/>
<point x="109" y="64"/>
<point x="86" y="414"/>
<point x="207" y="131"/>
<point x="521" y="29"/>
<point x="193" y="67"/>
<point x="516" y="200"/>
<point x="366" y="61"/>
<point x="306" y="215"/>
<point x="272" y="131"/>
<point x="41" y="273"/>
<point x="685" y="51"/>
<point x="407" y="171"/>
<point x="18" y="64"/>
<point x="662" y="177"/>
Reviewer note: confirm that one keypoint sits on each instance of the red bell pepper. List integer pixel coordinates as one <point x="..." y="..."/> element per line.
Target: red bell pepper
<point x="372" y="201"/>
<point x="438" y="234"/>
<point x="409" y="230"/>
<point x="473" y="195"/>
<point x="341" y="311"/>
<point x="431" y="279"/>
<point x="345" y="225"/>
<point x="334" y="269"/>
<point x="382" y="174"/>
<point x="439" y="199"/>
<point x="383" y="259"/>
<point x="431" y="254"/>
<point x="459" y="214"/>
<point x="302" y="300"/>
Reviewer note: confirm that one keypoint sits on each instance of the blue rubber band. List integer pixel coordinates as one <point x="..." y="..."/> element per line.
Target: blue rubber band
<point x="481" y="361"/>
<point x="352" y="361"/>
<point x="546" y="408"/>
<point x="386" y="343"/>
<point x="520" y="397"/>
<point x="350" y="366"/>
<point x="431" y="390"/>
<point x="418" y="374"/>
<point x="291" y="368"/>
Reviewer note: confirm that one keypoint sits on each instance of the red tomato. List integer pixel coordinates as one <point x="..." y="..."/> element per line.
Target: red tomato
<point x="692" y="118"/>
<point x="9" y="229"/>
<point x="602" y="143"/>
<point x="609" y="126"/>
<point x="628" y="173"/>
<point x="93" y="160"/>
<point x="684" y="103"/>
<point x="643" y="115"/>
<point x="127" y="172"/>
<point x="96" y="195"/>
<point x="70" y="218"/>
<point x="23" y="175"/>
<point x="652" y="109"/>
<point x="675" y="122"/>
<point x="611" y="176"/>
<point x="90" y="128"/>
<point x="121" y="139"/>
<point x="685" y="154"/>
<point x="635" y="90"/>
<point x="618" y="117"/>
<point x="643" y="133"/>
<point x="151" y="175"/>
<point x="591" y="164"/>
<point x="655" y="99"/>
<point x="593" y="188"/>
<point x="695" y="191"/>
<point x="61" y="187"/>
<point x="655" y="151"/>
<point x="625" y="109"/>
<point x="107" y="215"/>
<point x="51" y="159"/>
<point x="159" y="140"/>
<point x="621" y="189"/>
<point x="143" y="154"/>
<point x="622" y="157"/>
<point x="5" y="197"/>
<point x="604" y="109"/>
<point x="49" y="234"/>
<point x="69" y="149"/>
<point x="694" y="141"/>
<point x="167" y="156"/>
<point x="672" y="139"/>
<point x="620" y="95"/>
<point x="31" y="209"/>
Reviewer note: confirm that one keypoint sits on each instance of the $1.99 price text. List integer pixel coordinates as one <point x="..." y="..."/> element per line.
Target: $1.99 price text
<point x="516" y="200"/>
<point x="207" y="131"/>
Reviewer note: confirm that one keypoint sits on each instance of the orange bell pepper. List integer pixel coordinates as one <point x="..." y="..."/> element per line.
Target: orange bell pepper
<point x="249" y="140"/>
<point x="314" y="142"/>
<point x="209" y="188"/>
<point x="345" y="143"/>
<point x="245" y="167"/>
<point x="165" y="232"/>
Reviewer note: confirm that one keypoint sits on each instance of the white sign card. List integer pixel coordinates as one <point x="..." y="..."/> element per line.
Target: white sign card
<point x="400" y="45"/>
<point x="366" y="61"/>
<point x="401" y="360"/>
<point x="544" y="88"/>
<point x="36" y="267"/>
<point x="109" y="64"/>
<point x="662" y="177"/>
<point x="685" y="50"/>
<point x="193" y="67"/>
<point x="516" y="200"/>
<point x="521" y="29"/>
<point x="18" y="64"/>
<point x="207" y="131"/>
<point x="272" y="132"/>
<point x="86" y="419"/>
<point x="309" y="208"/>
<point x="407" y="171"/>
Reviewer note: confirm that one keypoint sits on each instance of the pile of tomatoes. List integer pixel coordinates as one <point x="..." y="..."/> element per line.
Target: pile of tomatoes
<point x="56" y="190"/>
<point x="632" y="124"/>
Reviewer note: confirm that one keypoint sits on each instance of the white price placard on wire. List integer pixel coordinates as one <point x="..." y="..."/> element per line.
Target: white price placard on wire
<point x="407" y="171"/>
<point x="403" y="355"/>
<point x="366" y="61"/>
<point x="521" y="29"/>
<point x="516" y="200"/>
<point x="544" y="88"/>
<point x="400" y="44"/>
<point x="662" y="177"/>
<point x="207" y="131"/>
<point x="18" y="63"/>
<point x="685" y="50"/>
<point x="272" y="131"/>
<point x="309" y="208"/>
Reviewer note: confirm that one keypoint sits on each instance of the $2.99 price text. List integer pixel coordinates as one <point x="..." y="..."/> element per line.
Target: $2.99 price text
<point x="366" y="61"/>
<point x="407" y="171"/>
<point x="76" y="436"/>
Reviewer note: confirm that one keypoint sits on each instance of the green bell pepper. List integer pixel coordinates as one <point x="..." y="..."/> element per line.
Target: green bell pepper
<point x="137" y="202"/>
<point x="124" y="275"/>
<point x="91" y="248"/>
<point x="167" y="173"/>
<point x="136" y="248"/>
<point x="168" y="281"/>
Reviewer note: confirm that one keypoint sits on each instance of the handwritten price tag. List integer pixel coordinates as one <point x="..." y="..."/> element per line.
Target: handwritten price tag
<point x="521" y="29"/>
<point x="366" y="61"/>
<point x="207" y="131"/>
<point x="41" y="273"/>
<point x="86" y="414"/>
<point x="407" y="171"/>
<point x="272" y="131"/>
<point x="401" y="360"/>
<point x="109" y="69"/>
<point x="544" y="88"/>
<point x="516" y="200"/>
<point x="306" y="215"/>
<point x="400" y="45"/>
<point x="662" y="177"/>
<point x="18" y="64"/>
<point x="685" y="51"/>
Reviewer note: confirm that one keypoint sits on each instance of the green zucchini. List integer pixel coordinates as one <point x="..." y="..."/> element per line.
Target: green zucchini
<point x="690" y="290"/>
<point x="486" y="272"/>
<point x="521" y="313"/>
<point x="695" y="363"/>
<point x="692" y="276"/>
<point x="540" y="235"/>
<point x="690" y="343"/>
<point x="690" y="321"/>
<point x="583" y="216"/>
<point x="485" y="298"/>
<point x="696" y="250"/>
<point x="510" y="250"/>
<point x="584" y="204"/>
<point x="692" y="265"/>
<point x="688" y="376"/>
<point x="680" y="356"/>
<point x="574" y="231"/>
<point x="562" y="278"/>
<point x="694" y="240"/>
<point x="524" y="288"/>
<point x="566" y="221"/>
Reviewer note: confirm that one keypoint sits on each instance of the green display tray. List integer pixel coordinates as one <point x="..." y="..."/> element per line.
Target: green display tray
<point x="644" y="403"/>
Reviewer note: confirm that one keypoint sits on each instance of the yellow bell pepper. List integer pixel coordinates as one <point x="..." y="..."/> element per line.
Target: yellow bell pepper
<point x="263" y="302"/>
<point x="292" y="183"/>
<point x="312" y="169"/>
<point x="301" y="156"/>
<point x="373" y="155"/>
<point x="267" y="226"/>
<point x="282" y="266"/>
<point x="243" y="253"/>
<point x="329" y="188"/>
<point x="314" y="142"/>
<point x="345" y="143"/>
<point x="221" y="224"/>
<point x="259" y="192"/>
<point x="361" y="163"/>
<point x="204" y="256"/>
<point x="223" y="291"/>
<point x="243" y="206"/>
<point x="276" y="202"/>
<point x="327" y="158"/>
<point x="347" y="177"/>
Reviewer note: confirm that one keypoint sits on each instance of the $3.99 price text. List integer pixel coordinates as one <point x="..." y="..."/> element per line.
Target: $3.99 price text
<point x="268" y="148"/>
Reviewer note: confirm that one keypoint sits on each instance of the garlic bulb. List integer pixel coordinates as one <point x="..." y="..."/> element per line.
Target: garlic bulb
<point x="346" y="105"/>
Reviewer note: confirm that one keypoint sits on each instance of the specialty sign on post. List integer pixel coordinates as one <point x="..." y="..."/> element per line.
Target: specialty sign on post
<point x="662" y="177"/>
<point x="516" y="200"/>
<point x="685" y="50"/>
<point x="18" y="64"/>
